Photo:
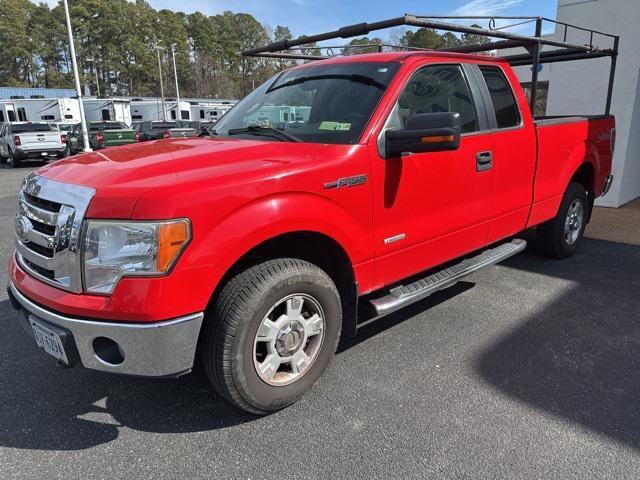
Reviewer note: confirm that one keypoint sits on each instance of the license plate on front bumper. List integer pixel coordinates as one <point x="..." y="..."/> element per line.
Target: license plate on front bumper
<point x="49" y="341"/>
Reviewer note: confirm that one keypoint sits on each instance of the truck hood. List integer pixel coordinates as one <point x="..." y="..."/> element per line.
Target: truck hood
<point x="121" y="175"/>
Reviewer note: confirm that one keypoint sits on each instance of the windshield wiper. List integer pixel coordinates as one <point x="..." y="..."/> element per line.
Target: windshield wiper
<point x="265" y="131"/>
<point x="352" y="78"/>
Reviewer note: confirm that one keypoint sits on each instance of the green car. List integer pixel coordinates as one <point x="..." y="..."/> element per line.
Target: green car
<point x="101" y="135"/>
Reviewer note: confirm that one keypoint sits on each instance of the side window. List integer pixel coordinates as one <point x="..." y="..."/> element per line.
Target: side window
<point x="504" y="103"/>
<point x="1" y="116"/>
<point x="439" y="88"/>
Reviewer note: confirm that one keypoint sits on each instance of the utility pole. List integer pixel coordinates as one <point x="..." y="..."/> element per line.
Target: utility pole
<point x="164" y="109"/>
<point x="175" y="74"/>
<point x="76" y="77"/>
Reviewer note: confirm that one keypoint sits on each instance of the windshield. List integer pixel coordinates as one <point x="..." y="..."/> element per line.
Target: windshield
<point x="65" y="126"/>
<point x="316" y="104"/>
<point x="98" y="127"/>
<point x="31" y="127"/>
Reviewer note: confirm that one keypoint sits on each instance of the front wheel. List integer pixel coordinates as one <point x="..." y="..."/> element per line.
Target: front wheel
<point x="560" y="236"/>
<point x="270" y="334"/>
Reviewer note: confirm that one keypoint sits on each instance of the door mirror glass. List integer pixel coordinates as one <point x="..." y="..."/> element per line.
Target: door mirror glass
<point x="424" y="132"/>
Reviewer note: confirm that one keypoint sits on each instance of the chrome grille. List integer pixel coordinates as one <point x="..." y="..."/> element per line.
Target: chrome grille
<point x="48" y="225"/>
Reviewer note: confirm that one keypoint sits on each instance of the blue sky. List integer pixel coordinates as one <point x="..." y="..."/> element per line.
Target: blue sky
<point x="314" y="16"/>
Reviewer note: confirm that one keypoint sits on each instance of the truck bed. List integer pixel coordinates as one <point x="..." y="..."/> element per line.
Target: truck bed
<point x="564" y="143"/>
<point x="543" y="120"/>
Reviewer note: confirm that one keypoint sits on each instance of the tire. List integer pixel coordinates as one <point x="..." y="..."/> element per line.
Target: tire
<point x="12" y="161"/>
<point x="240" y="364"/>
<point x="561" y="236"/>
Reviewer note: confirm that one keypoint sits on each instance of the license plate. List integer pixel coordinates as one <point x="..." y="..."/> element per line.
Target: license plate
<point x="45" y="154"/>
<point x="49" y="341"/>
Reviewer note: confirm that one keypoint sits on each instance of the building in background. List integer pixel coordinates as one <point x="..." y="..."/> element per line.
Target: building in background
<point x="566" y="86"/>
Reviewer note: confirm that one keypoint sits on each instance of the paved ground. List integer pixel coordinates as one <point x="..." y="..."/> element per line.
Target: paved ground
<point x="617" y="224"/>
<point x="527" y="370"/>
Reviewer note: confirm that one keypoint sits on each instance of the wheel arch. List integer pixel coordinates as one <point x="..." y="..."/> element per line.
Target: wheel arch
<point x="312" y="246"/>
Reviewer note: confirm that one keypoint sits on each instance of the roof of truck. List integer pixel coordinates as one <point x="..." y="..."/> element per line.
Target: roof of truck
<point x="403" y="56"/>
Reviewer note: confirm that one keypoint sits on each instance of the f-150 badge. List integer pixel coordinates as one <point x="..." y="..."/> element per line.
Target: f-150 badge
<point x="347" y="182"/>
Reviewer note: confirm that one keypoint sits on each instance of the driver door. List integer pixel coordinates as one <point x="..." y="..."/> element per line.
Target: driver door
<point x="429" y="208"/>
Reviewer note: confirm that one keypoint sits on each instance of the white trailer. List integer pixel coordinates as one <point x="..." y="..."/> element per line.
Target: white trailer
<point x="210" y="111"/>
<point x="108" y="109"/>
<point x="40" y="110"/>
<point x="150" y="109"/>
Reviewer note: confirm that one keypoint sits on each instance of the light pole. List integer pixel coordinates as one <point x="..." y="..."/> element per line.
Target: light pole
<point x="175" y="74"/>
<point x="76" y="77"/>
<point x="164" y="110"/>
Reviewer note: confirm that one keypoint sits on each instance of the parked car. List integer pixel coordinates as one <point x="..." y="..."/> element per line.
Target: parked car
<point x="63" y="127"/>
<point x="158" y="130"/>
<point x="101" y="135"/>
<point x="257" y="250"/>
<point x="23" y="141"/>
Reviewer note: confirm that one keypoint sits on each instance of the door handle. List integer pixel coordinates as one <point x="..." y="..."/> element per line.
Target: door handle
<point x="484" y="161"/>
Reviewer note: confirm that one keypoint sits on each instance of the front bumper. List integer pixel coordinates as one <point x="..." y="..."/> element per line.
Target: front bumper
<point x="159" y="349"/>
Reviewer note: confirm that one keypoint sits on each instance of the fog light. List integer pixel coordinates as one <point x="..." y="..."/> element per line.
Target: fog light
<point x="108" y="351"/>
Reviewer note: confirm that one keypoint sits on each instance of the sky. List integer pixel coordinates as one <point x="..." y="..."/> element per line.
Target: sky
<point x="315" y="16"/>
<point x="306" y="17"/>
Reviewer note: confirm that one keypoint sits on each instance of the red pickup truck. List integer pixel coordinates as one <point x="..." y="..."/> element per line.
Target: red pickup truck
<point x="330" y="195"/>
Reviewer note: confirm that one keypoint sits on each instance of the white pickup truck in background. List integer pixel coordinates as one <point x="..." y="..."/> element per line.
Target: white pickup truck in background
<point x="30" y="141"/>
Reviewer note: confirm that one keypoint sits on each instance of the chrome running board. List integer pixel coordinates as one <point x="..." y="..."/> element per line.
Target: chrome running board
<point x="404" y="295"/>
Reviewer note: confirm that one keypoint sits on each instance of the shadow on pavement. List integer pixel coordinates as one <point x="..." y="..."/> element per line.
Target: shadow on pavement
<point x="579" y="357"/>
<point x="47" y="408"/>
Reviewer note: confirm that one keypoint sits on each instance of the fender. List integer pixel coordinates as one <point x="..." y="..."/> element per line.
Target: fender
<point x="270" y="216"/>
<point x="553" y="178"/>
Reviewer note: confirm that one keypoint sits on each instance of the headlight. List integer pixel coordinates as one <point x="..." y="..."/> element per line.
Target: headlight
<point x="114" y="249"/>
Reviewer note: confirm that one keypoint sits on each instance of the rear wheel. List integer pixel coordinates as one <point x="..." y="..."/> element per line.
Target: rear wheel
<point x="271" y="333"/>
<point x="560" y="236"/>
<point x="12" y="161"/>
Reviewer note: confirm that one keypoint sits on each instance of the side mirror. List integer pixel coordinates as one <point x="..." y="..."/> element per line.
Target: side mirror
<point x="425" y="132"/>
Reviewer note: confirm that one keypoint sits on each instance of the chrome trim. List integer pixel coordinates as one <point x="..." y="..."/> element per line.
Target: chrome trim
<point x="404" y="295"/>
<point x="158" y="349"/>
<point x="395" y="238"/>
<point x="73" y="201"/>
<point x="607" y="185"/>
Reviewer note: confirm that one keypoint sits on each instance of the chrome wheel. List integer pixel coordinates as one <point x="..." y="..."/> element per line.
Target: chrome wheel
<point x="289" y="339"/>
<point x="574" y="221"/>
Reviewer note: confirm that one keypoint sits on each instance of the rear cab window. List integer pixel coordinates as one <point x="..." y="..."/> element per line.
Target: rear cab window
<point x="502" y="97"/>
<point x="31" y="127"/>
<point x="158" y="125"/>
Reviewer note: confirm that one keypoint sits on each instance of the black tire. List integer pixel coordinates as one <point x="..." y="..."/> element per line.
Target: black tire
<point x="552" y="238"/>
<point x="232" y="322"/>
<point x="12" y="161"/>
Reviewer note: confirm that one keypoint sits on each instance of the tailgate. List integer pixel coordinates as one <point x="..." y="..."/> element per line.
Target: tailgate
<point x="37" y="141"/>
<point x="113" y="138"/>
<point x="182" y="132"/>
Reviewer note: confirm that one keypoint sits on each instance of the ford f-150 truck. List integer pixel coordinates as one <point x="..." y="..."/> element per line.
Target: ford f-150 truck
<point x="256" y="247"/>
<point x="30" y="141"/>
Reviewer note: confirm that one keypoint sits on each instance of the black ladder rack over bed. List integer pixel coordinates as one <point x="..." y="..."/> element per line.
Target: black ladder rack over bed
<point x="564" y="51"/>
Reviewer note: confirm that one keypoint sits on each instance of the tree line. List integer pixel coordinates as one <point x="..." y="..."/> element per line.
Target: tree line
<point x="118" y="41"/>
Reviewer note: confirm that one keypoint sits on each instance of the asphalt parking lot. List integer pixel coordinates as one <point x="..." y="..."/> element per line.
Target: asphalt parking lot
<point x="529" y="369"/>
